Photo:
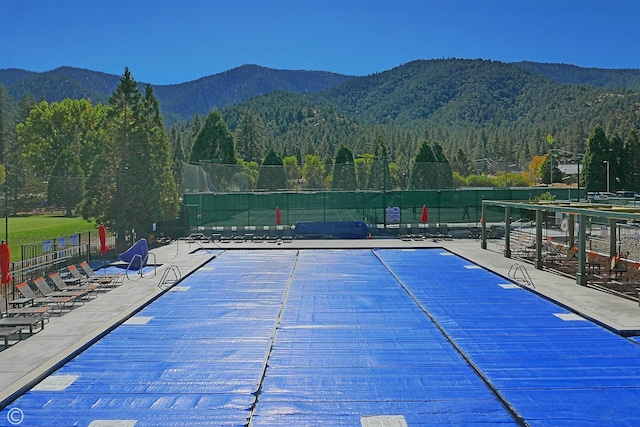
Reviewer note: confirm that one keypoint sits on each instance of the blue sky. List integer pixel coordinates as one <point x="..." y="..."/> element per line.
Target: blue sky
<point x="165" y="42"/>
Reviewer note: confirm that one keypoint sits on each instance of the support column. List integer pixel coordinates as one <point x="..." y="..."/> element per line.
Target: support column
<point x="572" y="230"/>
<point x="612" y="238"/>
<point x="483" y="227"/>
<point x="581" y="275"/>
<point x="539" y="260"/>
<point x="507" y="232"/>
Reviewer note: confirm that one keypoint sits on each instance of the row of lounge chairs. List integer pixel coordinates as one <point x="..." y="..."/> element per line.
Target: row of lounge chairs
<point x="42" y="297"/>
<point x="250" y="237"/>
<point x="609" y="273"/>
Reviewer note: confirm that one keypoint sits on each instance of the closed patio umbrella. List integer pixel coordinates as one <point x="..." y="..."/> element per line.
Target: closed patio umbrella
<point x="278" y="219"/>
<point x="5" y="258"/>
<point x="424" y="218"/>
<point x="102" y="233"/>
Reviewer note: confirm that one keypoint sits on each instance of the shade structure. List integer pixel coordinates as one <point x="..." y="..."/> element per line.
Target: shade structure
<point x="278" y="218"/>
<point x="425" y="214"/>
<point x="5" y="258"/>
<point x="102" y="233"/>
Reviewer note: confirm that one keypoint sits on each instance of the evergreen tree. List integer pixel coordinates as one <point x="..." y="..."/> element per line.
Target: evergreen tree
<point x="214" y="142"/>
<point x="595" y="170"/>
<point x="132" y="185"/>
<point x="249" y="137"/>
<point x="545" y="173"/>
<point x="380" y="166"/>
<point x="617" y="170"/>
<point x="272" y="175"/>
<point x="632" y="162"/>
<point x="462" y="163"/>
<point x="344" y="172"/>
<point x="444" y="171"/>
<point x="423" y="172"/>
<point x="66" y="183"/>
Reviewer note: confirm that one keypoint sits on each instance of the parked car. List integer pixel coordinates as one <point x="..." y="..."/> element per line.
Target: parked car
<point x="627" y="194"/>
<point x="600" y="195"/>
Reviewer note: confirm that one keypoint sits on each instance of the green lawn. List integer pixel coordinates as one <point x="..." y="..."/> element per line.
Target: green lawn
<point x="33" y="229"/>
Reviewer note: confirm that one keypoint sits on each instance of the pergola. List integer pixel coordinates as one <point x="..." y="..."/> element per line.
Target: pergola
<point x="575" y="211"/>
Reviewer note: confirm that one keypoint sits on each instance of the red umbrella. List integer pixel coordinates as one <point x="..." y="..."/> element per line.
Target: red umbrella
<point x="278" y="219"/>
<point x="5" y="258"/>
<point x="425" y="215"/>
<point x="102" y="233"/>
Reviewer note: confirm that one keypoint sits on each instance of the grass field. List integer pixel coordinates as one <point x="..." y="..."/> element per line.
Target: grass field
<point x="33" y="229"/>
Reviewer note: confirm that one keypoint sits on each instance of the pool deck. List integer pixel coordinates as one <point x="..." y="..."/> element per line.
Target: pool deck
<point x="25" y="363"/>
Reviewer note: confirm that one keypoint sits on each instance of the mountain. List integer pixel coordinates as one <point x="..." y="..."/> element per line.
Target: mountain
<point x="238" y="84"/>
<point x="571" y="74"/>
<point x="487" y="108"/>
<point x="179" y="101"/>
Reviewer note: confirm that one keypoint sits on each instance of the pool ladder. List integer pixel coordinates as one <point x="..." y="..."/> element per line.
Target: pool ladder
<point x="170" y="276"/>
<point x="519" y="273"/>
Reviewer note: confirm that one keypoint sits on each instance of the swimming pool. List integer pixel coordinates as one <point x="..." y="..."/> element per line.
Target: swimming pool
<point x="344" y="337"/>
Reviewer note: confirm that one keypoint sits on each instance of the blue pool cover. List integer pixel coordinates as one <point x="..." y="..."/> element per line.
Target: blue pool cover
<point x="344" y="338"/>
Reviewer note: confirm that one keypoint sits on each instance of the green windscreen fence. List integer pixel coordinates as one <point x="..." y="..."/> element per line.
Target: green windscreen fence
<point x="450" y="206"/>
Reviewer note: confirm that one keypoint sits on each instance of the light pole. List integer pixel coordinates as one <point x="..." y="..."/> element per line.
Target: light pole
<point x="578" y="155"/>
<point x="608" y="174"/>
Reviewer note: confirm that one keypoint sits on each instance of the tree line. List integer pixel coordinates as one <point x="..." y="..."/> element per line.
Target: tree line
<point x="118" y="164"/>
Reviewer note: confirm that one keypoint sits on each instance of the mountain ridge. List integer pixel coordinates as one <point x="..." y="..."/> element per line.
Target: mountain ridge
<point x="181" y="100"/>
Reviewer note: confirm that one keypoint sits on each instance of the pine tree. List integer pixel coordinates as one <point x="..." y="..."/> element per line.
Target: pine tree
<point x="131" y="185"/>
<point x="249" y="137"/>
<point x="214" y="142"/>
<point x="423" y="171"/>
<point x="271" y="175"/>
<point x="444" y="171"/>
<point x="597" y="154"/>
<point x="632" y="162"/>
<point x="344" y="172"/>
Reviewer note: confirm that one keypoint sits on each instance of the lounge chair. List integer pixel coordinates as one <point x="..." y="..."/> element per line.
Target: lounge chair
<point x="6" y="311"/>
<point x="8" y="332"/>
<point x="22" y="322"/>
<point x="31" y="321"/>
<point x="47" y="291"/>
<point x="91" y="275"/>
<point x="62" y="286"/>
<point x="59" y="303"/>
<point x="105" y="282"/>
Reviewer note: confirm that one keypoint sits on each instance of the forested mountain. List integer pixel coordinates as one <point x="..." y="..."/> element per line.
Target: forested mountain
<point x="565" y="73"/>
<point x="179" y="101"/>
<point x="488" y="109"/>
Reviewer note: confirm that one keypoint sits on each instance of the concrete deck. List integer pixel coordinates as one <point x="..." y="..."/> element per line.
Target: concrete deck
<point x="25" y="363"/>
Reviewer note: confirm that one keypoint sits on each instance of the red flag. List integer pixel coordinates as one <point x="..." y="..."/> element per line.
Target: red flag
<point x="102" y="233"/>
<point x="278" y="219"/>
<point x="5" y="258"/>
<point x="425" y="215"/>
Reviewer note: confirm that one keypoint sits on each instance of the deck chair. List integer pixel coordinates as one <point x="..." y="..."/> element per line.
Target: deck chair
<point x="91" y="275"/>
<point x="8" y="332"/>
<point x="62" y="286"/>
<point x="104" y="283"/>
<point x="58" y="304"/>
<point x="47" y="291"/>
<point x="26" y="321"/>
<point x="5" y="311"/>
